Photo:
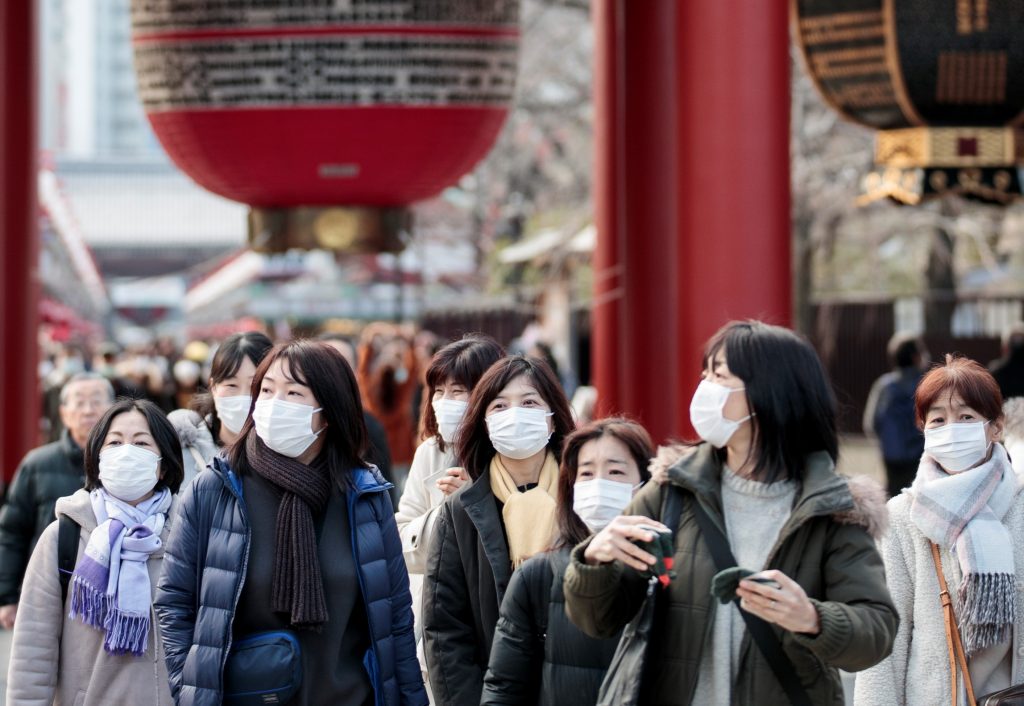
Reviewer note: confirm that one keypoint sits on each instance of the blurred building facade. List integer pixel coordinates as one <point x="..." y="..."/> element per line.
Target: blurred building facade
<point x="88" y="103"/>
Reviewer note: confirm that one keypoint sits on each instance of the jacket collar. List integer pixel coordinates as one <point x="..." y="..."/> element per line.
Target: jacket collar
<point x="361" y="480"/>
<point x="479" y="503"/>
<point x="822" y="491"/>
<point x="368" y="480"/>
<point x="71" y="449"/>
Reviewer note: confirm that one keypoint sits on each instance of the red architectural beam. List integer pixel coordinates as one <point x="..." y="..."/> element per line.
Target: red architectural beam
<point x="19" y="241"/>
<point x="691" y="191"/>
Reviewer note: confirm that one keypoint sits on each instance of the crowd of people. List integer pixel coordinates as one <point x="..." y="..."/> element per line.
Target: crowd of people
<point x="233" y="526"/>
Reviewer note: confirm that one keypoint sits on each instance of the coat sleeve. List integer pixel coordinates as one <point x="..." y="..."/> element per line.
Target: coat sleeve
<point x="17" y="525"/>
<point x="176" y="598"/>
<point x="602" y="598"/>
<point x="35" y="651"/>
<point x="885" y="683"/>
<point x="858" y="619"/>
<point x="415" y="515"/>
<point x="517" y="655"/>
<point x="407" y="666"/>
<point x="448" y="629"/>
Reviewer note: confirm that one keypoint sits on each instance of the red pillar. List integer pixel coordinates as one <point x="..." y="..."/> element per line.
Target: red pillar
<point x="19" y="286"/>
<point x="691" y="191"/>
<point x="636" y="190"/>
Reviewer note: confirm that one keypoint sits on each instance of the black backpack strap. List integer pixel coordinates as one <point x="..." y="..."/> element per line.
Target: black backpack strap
<point x="760" y="631"/>
<point x="68" y="533"/>
<point x="672" y="507"/>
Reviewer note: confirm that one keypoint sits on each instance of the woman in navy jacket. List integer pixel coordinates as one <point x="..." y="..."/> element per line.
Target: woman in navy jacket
<point x="292" y="531"/>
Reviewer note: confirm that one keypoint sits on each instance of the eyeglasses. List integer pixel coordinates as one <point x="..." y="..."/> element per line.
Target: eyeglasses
<point x="78" y="404"/>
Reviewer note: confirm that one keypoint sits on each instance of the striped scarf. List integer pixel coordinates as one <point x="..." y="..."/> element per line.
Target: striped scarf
<point x="963" y="513"/>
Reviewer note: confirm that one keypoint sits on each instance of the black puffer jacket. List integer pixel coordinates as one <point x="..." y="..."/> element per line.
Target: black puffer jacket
<point x="538" y="655"/>
<point x="47" y="473"/>
<point x="467" y="572"/>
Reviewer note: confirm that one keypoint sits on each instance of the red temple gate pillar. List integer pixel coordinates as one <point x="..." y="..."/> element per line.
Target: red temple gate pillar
<point x="691" y="192"/>
<point x="19" y="242"/>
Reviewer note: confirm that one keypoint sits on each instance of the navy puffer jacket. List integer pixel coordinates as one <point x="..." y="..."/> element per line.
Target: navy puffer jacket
<point x="204" y="569"/>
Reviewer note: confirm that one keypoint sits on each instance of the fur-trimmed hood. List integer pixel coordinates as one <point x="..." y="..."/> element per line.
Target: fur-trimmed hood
<point x="868" y="508"/>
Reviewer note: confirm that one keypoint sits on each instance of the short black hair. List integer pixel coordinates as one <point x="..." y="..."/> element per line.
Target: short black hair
<point x="788" y="391"/>
<point x="464" y="362"/>
<point x="905" y="350"/>
<point x="166" y="438"/>
<point x="232" y="351"/>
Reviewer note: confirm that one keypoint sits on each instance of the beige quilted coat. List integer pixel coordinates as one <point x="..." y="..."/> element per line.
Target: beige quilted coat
<point x="55" y="660"/>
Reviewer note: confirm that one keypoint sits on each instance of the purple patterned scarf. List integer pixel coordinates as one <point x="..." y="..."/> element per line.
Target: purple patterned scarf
<point x="110" y="588"/>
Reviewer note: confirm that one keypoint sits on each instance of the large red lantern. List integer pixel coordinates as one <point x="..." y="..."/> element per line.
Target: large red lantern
<point x="291" y="104"/>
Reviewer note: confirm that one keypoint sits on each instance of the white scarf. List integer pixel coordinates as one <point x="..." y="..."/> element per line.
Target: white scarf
<point x="963" y="512"/>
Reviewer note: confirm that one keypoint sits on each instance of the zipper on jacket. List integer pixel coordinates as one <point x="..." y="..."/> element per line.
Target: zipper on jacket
<point x="236" y="491"/>
<point x="353" y="497"/>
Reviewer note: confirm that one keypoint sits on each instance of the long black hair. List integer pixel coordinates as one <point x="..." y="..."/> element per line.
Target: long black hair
<point x="167" y="445"/>
<point x="788" y="391"/>
<point x="327" y="374"/>
<point x="226" y="362"/>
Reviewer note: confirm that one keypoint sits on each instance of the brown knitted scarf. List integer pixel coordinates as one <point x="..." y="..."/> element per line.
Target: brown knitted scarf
<point x="298" y="587"/>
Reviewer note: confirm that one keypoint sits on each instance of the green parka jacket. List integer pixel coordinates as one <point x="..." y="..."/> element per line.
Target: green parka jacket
<point x="826" y="546"/>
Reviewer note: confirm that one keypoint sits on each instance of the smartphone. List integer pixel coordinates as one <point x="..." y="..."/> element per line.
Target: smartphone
<point x="771" y="583"/>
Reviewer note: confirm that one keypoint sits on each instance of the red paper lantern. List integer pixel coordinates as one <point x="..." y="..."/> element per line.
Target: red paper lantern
<point x="326" y="102"/>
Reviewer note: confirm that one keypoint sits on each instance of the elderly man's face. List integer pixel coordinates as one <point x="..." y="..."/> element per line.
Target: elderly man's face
<point x="85" y="401"/>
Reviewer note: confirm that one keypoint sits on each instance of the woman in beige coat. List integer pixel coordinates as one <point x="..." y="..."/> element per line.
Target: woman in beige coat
<point x="100" y="645"/>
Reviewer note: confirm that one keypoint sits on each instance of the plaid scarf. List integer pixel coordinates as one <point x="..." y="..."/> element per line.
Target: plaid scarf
<point x="110" y="587"/>
<point x="963" y="512"/>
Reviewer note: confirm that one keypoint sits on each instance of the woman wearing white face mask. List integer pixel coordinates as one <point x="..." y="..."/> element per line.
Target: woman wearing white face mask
<point x="510" y="445"/>
<point x="966" y="509"/>
<point x="288" y="544"/>
<point x="453" y="373"/>
<point x="763" y="486"/>
<point x="214" y="420"/>
<point x="603" y="465"/>
<point x="100" y="645"/>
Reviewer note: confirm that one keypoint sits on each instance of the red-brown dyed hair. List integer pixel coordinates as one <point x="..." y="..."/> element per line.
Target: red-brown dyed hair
<point x="962" y="376"/>
<point x="571" y="529"/>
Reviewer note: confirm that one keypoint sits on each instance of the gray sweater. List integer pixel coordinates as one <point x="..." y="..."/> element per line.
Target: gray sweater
<point x="754" y="515"/>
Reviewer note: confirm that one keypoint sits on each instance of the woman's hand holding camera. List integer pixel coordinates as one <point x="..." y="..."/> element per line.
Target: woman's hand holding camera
<point x="616" y="542"/>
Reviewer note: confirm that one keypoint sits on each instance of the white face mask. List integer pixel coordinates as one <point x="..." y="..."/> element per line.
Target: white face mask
<point x="599" y="501"/>
<point x="285" y="427"/>
<point x="128" y="472"/>
<point x="233" y="411"/>
<point x="449" y="414"/>
<point x="956" y="446"/>
<point x="706" y="413"/>
<point x="519" y="432"/>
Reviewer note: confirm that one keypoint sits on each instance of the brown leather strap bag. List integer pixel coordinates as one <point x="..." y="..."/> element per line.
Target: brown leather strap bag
<point x="1012" y="696"/>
